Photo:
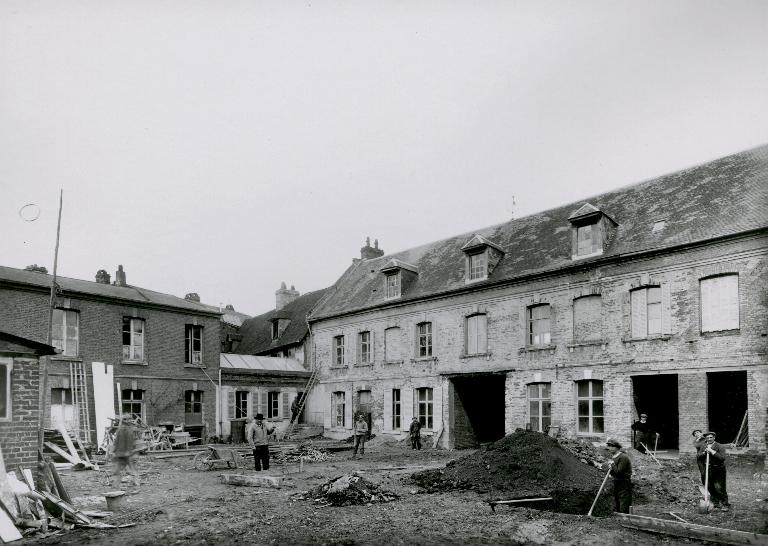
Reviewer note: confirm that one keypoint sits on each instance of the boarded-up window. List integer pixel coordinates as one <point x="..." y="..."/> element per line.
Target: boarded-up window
<point x="393" y="344"/>
<point x="539" y="325"/>
<point x="646" y="311"/>
<point x="539" y="405"/>
<point x="477" y="334"/>
<point x="589" y="395"/>
<point x="587" y="318"/>
<point x="66" y="331"/>
<point x="720" y="303"/>
<point x="338" y="409"/>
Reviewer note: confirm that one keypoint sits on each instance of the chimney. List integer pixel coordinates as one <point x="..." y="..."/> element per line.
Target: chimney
<point x="230" y="307"/>
<point x="120" y="277"/>
<point x="283" y="296"/>
<point x="369" y="252"/>
<point x="102" y="277"/>
<point x="192" y="296"/>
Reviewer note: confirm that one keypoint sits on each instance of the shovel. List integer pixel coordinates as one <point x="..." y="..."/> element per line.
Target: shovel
<point x="705" y="505"/>
<point x="598" y="492"/>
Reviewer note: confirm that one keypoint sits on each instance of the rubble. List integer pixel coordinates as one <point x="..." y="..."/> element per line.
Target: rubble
<point x="583" y="450"/>
<point x="347" y="490"/>
<point x="306" y="453"/>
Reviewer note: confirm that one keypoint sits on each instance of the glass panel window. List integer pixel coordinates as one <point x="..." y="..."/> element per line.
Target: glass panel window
<point x="364" y="347"/>
<point x="273" y="405"/>
<point x="584" y="240"/>
<point x="478" y="268"/>
<point x="477" y="334"/>
<point x="193" y="402"/>
<point x="392" y="344"/>
<point x="424" y="334"/>
<point x="540" y="405"/>
<point x="338" y="350"/>
<point x="424" y="409"/>
<point x="393" y="284"/>
<point x="241" y="404"/>
<point x="587" y="319"/>
<point x="133" y="403"/>
<point x="66" y="331"/>
<point x="720" y="303"/>
<point x="396" y="409"/>
<point x="193" y="344"/>
<point x="539" y="325"/>
<point x="589" y="406"/>
<point x="133" y="339"/>
<point x="338" y="409"/>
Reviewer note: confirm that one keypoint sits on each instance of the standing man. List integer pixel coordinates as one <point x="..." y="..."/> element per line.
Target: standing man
<point x="258" y="437"/>
<point x="361" y="433"/>
<point x="643" y="434"/>
<point x="124" y="452"/>
<point x="621" y="472"/>
<point x="415" y="432"/>
<point x="717" y="474"/>
<point x="295" y="407"/>
<point x="699" y="444"/>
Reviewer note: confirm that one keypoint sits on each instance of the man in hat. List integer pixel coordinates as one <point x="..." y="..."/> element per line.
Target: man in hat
<point x="621" y="472"/>
<point x="258" y="436"/>
<point x="415" y="433"/>
<point x="717" y="473"/>
<point x="644" y="436"/>
<point x="361" y="433"/>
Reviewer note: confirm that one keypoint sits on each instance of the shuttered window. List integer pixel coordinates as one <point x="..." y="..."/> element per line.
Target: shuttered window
<point x="392" y="345"/>
<point x="477" y="334"/>
<point x="720" y="303"/>
<point x="587" y="318"/>
<point x="646" y="312"/>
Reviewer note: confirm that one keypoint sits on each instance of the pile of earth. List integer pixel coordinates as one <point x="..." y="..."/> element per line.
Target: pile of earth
<point x="525" y="464"/>
<point x="347" y="490"/>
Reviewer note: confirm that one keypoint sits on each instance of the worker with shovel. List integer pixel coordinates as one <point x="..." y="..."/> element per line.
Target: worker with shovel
<point x="699" y="443"/>
<point x="713" y="455"/>
<point x="621" y="472"/>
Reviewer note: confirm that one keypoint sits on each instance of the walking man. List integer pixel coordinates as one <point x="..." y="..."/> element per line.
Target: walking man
<point x="258" y="436"/>
<point x="717" y="473"/>
<point x="361" y="433"/>
<point x="621" y="472"/>
<point x="124" y="452"/>
<point x="415" y="432"/>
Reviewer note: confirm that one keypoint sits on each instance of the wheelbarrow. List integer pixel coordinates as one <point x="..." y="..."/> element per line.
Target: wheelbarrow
<point x="216" y="457"/>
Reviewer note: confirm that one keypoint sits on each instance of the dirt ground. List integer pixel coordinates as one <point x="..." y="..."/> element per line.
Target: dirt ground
<point x="186" y="506"/>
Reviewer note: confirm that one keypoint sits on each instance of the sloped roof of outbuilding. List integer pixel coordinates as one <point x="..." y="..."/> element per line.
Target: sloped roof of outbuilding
<point x="232" y="361"/>
<point x="724" y="197"/>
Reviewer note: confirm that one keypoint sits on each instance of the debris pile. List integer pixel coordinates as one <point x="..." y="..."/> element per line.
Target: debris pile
<point x="345" y="491"/>
<point x="524" y="464"/>
<point x="306" y="453"/>
<point x="584" y="450"/>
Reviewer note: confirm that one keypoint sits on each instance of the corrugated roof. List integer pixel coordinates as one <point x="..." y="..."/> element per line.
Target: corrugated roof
<point x="260" y="363"/>
<point x="720" y="198"/>
<point x="124" y="293"/>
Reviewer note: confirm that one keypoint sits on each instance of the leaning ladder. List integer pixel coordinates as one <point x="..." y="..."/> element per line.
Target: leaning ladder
<point x="311" y="382"/>
<point x="79" y="383"/>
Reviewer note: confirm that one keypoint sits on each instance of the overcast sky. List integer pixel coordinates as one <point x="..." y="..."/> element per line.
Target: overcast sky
<point x="222" y="147"/>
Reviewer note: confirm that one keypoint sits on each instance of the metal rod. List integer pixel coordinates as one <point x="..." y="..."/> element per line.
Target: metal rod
<point x="594" y="502"/>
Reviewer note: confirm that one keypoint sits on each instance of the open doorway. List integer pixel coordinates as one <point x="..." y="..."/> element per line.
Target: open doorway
<point x="656" y="396"/>
<point x="365" y="406"/>
<point x="478" y="409"/>
<point x="726" y="403"/>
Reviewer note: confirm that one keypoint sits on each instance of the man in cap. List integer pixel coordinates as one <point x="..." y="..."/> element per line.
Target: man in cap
<point x="361" y="434"/>
<point x="621" y="472"/>
<point x="717" y="473"/>
<point x="644" y="436"/>
<point x="699" y="443"/>
<point x="258" y="436"/>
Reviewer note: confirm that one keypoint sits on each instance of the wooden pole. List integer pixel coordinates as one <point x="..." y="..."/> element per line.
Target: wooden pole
<point x="44" y="363"/>
<point x="594" y="502"/>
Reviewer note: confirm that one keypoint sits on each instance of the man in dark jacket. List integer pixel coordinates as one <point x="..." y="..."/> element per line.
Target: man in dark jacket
<point x="415" y="433"/>
<point x="258" y="436"/>
<point x="645" y="437"/>
<point x="621" y="472"/>
<point x="124" y="452"/>
<point x="717" y="473"/>
<point x="699" y="442"/>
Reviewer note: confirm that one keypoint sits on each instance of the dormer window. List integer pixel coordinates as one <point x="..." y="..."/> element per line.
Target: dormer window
<point x="398" y="277"/>
<point x="393" y="284"/>
<point x="481" y="257"/>
<point x="275" y="330"/>
<point x="278" y="327"/>
<point x="591" y="230"/>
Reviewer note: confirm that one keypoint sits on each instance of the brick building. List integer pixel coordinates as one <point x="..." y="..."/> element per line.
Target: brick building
<point x="20" y="399"/>
<point x="652" y="298"/>
<point x="163" y="351"/>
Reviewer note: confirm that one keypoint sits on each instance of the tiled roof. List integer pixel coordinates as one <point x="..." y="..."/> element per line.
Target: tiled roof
<point x="132" y="294"/>
<point x="720" y="198"/>
<point x="257" y="331"/>
<point x="260" y="363"/>
<point x="230" y="316"/>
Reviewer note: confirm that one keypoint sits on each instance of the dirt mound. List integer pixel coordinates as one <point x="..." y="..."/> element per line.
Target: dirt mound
<point x="524" y="464"/>
<point x="346" y="490"/>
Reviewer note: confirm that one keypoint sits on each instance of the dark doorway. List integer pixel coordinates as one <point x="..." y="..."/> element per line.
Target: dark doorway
<point x="365" y="406"/>
<point x="478" y="409"/>
<point x="656" y="395"/>
<point x="726" y="403"/>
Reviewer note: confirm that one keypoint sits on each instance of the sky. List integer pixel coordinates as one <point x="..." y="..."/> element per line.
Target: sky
<point x="222" y="147"/>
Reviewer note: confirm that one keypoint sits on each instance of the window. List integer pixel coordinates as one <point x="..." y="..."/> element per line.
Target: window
<point x="5" y="388"/>
<point x="133" y="403"/>
<point x="646" y="311"/>
<point x="275" y="329"/>
<point x="540" y="405"/>
<point x="133" y="339"/>
<point x="396" y="409"/>
<point x="585" y="241"/>
<point x="193" y="407"/>
<point x="587" y="319"/>
<point x="241" y="404"/>
<point x="193" y="344"/>
<point x="392" y="345"/>
<point x="273" y="405"/>
<point x="590" y="407"/>
<point x="720" y="303"/>
<point x="364" y="348"/>
<point x="539" y="325"/>
<point x="338" y="409"/>
<point x="393" y="284"/>
<point x="478" y="268"/>
<point x="62" y="408"/>
<point x="477" y="334"/>
<point x="66" y="331"/>
<point x="338" y="350"/>
<point x="423" y="408"/>
<point x="424" y="335"/>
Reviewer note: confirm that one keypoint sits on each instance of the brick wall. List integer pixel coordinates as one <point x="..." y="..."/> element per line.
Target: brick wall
<point x="18" y="437"/>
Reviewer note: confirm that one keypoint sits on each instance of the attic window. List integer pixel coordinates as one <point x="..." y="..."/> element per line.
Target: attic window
<point x="398" y="276"/>
<point x="393" y="284"/>
<point x="481" y="256"/>
<point x="591" y="231"/>
<point x="278" y="327"/>
<point x="275" y="330"/>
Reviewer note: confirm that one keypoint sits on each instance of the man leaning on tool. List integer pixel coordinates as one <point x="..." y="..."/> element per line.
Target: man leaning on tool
<point x="621" y="472"/>
<point x="644" y="435"/>
<point x="258" y="436"/>
<point x="717" y="473"/>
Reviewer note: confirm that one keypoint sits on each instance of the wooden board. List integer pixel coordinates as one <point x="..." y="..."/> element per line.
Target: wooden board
<point x="57" y="449"/>
<point x="68" y="441"/>
<point x="8" y="531"/>
<point x="691" y="530"/>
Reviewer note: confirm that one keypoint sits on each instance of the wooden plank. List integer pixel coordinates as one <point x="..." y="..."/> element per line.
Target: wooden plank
<point x="517" y="501"/>
<point x="691" y="530"/>
<point x="59" y="485"/>
<point x="68" y="441"/>
<point x="58" y="450"/>
<point x="85" y="453"/>
<point x="8" y="531"/>
<point x="251" y="481"/>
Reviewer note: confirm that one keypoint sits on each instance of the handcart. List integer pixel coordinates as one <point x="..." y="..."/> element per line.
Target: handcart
<point x="216" y="457"/>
